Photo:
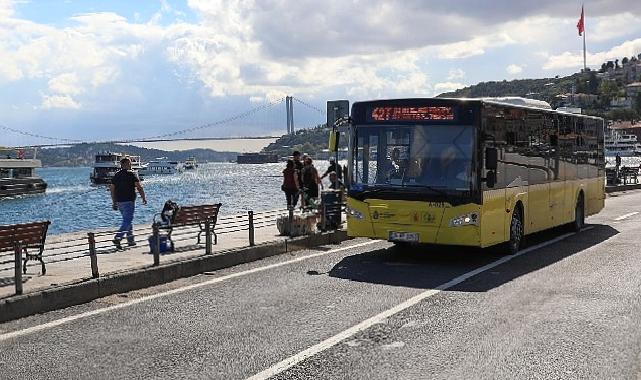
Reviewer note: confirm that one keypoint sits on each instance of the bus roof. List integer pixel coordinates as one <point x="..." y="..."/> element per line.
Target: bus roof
<point x="510" y="101"/>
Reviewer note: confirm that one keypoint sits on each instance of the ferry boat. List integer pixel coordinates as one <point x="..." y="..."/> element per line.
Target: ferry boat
<point x="622" y="145"/>
<point x="161" y="166"/>
<point x="256" y="158"/>
<point x="190" y="163"/>
<point x="18" y="175"/>
<point x="108" y="163"/>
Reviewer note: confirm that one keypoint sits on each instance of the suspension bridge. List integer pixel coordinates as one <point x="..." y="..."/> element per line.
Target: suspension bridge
<point x="268" y="117"/>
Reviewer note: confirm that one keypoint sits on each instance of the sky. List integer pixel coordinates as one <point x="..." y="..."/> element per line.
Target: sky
<point x="121" y="69"/>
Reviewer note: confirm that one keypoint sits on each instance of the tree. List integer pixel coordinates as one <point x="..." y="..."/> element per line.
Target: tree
<point x="593" y="83"/>
<point x="624" y="61"/>
<point x="616" y="64"/>
<point x="608" y="90"/>
<point x="604" y="68"/>
<point x="622" y="114"/>
<point x="610" y="65"/>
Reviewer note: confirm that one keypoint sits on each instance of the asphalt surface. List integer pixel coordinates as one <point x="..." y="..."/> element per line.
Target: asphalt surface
<point x="566" y="309"/>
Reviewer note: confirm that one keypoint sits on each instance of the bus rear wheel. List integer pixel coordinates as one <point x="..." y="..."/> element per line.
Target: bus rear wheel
<point x="513" y="245"/>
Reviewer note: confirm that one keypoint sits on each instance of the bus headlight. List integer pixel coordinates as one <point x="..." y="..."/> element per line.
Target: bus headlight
<point x="464" y="220"/>
<point x="354" y="213"/>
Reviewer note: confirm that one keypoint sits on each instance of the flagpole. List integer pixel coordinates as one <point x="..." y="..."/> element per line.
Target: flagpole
<point x="585" y="66"/>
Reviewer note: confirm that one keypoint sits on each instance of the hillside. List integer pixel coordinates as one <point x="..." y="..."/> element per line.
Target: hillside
<point x="544" y="89"/>
<point x="605" y="92"/>
<point x="310" y="141"/>
<point x="84" y="154"/>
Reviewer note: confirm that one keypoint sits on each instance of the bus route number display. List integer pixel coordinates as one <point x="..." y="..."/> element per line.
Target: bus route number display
<point x="412" y="113"/>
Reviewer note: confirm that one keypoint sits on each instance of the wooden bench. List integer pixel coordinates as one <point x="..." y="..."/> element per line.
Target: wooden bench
<point x="30" y="236"/>
<point x="196" y="215"/>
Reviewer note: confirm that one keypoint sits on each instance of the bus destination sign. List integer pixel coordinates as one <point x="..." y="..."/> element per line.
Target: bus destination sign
<point x="395" y="113"/>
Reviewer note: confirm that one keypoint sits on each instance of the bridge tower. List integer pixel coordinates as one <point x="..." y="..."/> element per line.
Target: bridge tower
<point x="289" y="108"/>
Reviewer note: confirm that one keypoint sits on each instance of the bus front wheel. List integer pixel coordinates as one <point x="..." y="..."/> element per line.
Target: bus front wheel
<point x="516" y="233"/>
<point x="579" y="215"/>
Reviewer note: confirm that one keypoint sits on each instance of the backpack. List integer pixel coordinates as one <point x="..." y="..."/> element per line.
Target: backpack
<point x="169" y="211"/>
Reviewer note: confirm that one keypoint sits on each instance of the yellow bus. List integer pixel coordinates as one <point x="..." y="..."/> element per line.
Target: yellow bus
<point x="471" y="172"/>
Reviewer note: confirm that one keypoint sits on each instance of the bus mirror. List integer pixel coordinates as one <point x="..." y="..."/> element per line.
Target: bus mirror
<point x="490" y="178"/>
<point x="491" y="158"/>
<point x="333" y="141"/>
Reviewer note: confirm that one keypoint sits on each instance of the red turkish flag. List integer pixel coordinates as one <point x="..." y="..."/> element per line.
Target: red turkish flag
<point x="581" y="24"/>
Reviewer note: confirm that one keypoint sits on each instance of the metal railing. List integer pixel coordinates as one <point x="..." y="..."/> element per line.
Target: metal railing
<point x="96" y="243"/>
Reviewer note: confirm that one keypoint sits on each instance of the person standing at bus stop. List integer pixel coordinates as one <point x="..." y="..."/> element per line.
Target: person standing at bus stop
<point x="123" y="197"/>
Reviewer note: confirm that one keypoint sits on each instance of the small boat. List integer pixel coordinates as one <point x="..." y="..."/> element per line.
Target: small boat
<point x="161" y="166"/>
<point x="108" y="163"/>
<point x="190" y="163"/>
<point x="18" y="174"/>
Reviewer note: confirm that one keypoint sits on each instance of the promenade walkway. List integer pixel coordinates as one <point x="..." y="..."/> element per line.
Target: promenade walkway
<point x="67" y="255"/>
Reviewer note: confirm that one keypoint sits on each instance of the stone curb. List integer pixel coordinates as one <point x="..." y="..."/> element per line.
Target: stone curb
<point x="88" y="290"/>
<point x="616" y="189"/>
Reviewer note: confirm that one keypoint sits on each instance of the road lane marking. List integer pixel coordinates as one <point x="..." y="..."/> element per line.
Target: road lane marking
<point x="71" y="318"/>
<point x="625" y="216"/>
<point x="334" y="340"/>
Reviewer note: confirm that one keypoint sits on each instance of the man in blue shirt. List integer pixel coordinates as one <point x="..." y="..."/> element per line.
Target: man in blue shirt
<point x="123" y="196"/>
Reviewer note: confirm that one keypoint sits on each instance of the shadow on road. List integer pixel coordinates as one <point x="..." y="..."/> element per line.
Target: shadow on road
<point x="427" y="267"/>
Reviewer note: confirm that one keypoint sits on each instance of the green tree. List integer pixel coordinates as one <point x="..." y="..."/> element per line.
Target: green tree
<point x="637" y="104"/>
<point x="593" y="83"/>
<point x="608" y="90"/>
<point x="622" y="114"/>
<point x="624" y="61"/>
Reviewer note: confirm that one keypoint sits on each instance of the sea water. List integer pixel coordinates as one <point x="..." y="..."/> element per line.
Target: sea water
<point x="71" y="203"/>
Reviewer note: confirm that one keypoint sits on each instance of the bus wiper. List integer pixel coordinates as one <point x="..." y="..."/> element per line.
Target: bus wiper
<point x="372" y="191"/>
<point x="432" y="188"/>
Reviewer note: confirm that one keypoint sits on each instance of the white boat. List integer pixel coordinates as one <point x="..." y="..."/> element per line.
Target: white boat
<point x="190" y="163"/>
<point x="623" y="145"/>
<point x="161" y="166"/>
<point x="18" y="174"/>
<point x="108" y="163"/>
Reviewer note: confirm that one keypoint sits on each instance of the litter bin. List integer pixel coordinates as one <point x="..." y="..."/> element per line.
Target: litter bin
<point x="331" y="202"/>
<point x="164" y="243"/>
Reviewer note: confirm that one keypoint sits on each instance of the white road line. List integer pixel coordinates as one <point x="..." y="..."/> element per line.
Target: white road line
<point x="61" y="321"/>
<point x="334" y="340"/>
<point x="625" y="216"/>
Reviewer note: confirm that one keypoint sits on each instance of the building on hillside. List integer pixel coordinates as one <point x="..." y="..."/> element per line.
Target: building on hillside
<point x="627" y="128"/>
<point x="577" y="100"/>
<point x="633" y="89"/>
<point x="621" y="102"/>
<point x="632" y="71"/>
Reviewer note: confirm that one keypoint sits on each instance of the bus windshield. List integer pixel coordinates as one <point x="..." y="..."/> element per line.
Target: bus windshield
<point x="434" y="156"/>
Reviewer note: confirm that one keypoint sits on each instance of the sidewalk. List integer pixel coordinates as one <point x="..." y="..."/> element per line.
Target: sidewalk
<point x="65" y="267"/>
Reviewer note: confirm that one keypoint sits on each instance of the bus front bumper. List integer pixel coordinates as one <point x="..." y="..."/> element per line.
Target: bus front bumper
<point x="414" y="222"/>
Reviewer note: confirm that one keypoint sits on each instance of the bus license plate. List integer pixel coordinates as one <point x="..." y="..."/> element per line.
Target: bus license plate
<point x="411" y="237"/>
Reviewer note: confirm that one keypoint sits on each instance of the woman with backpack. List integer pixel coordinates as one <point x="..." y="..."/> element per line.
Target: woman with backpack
<point x="290" y="184"/>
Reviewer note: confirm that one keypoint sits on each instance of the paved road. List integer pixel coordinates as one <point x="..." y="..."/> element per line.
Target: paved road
<point x="567" y="307"/>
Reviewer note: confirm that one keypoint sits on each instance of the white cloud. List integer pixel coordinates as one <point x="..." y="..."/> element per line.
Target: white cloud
<point x="575" y="59"/>
<point x="59" y="101"/>
<point x="447" y="87"/>
<point x="6" y="8"/>
<point x="514" y="69"/>
<point x="474" y="46"/>
<point x="455" y="74"/>
<point x="609" y="27"/>
<point x="264" y="50"/>
<point x="65" y="84"/>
